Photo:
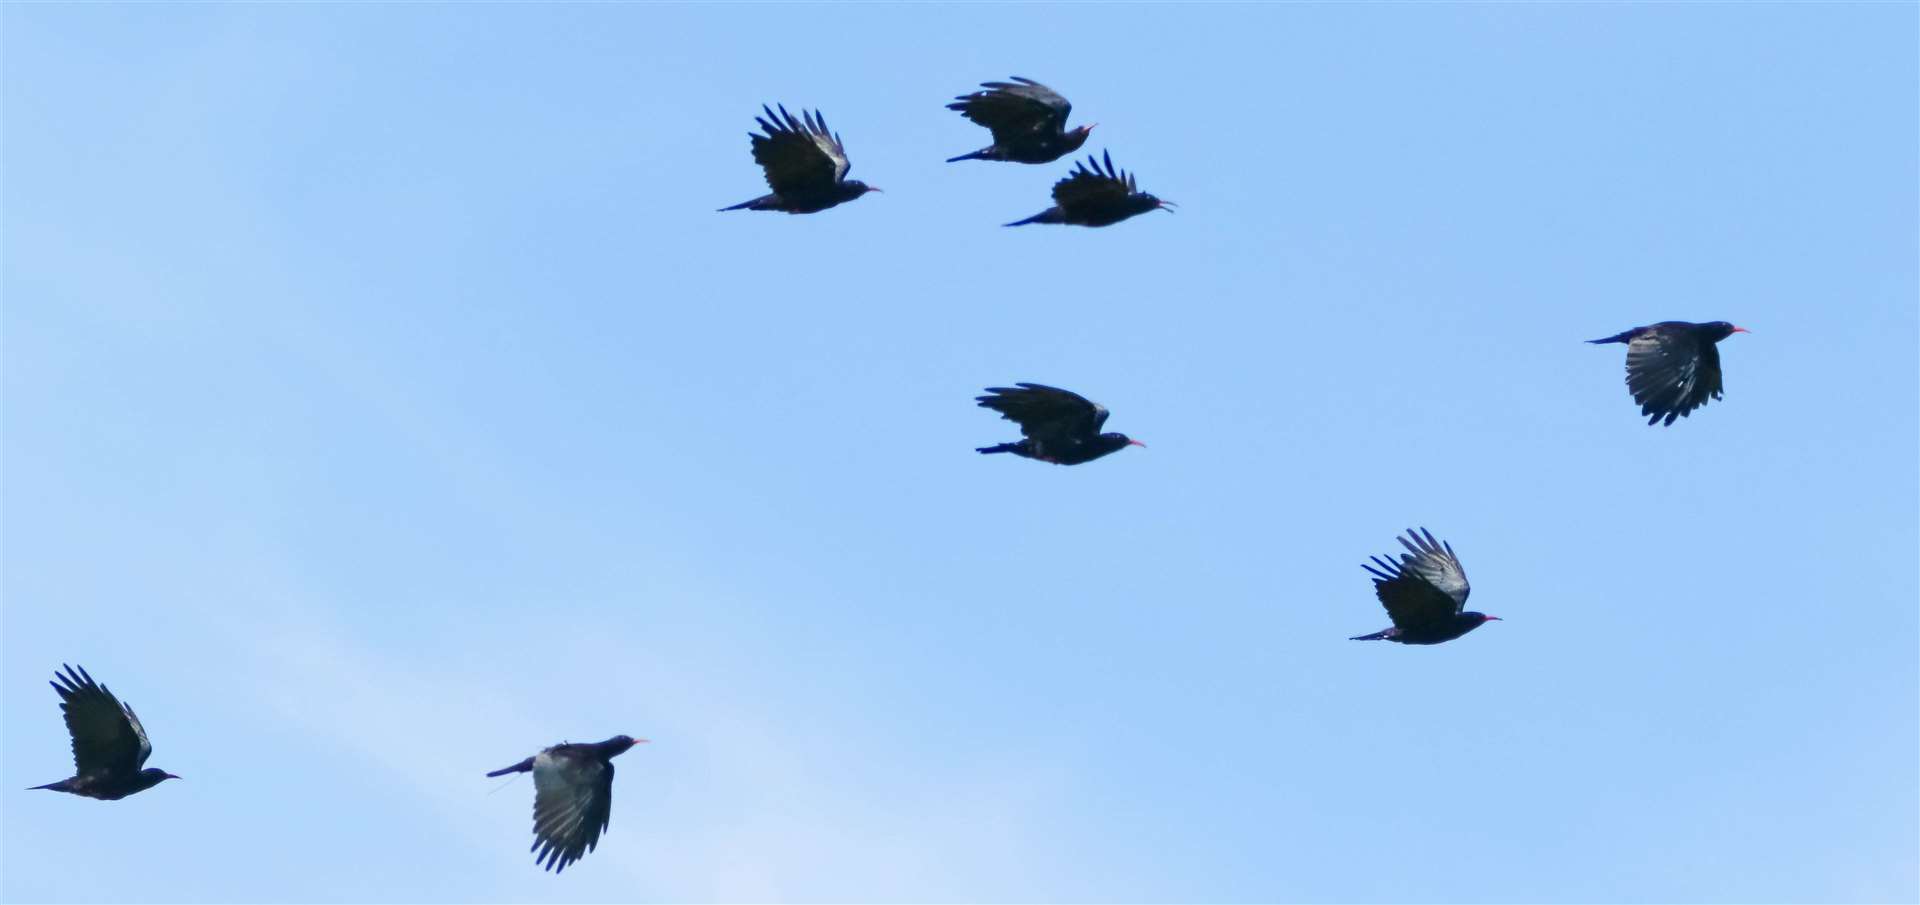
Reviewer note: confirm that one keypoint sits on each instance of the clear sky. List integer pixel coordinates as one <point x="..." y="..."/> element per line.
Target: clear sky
<point x="385" y="400"/>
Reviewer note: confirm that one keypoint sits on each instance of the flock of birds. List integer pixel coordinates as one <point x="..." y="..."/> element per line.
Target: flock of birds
<point x="1673" y="368"/>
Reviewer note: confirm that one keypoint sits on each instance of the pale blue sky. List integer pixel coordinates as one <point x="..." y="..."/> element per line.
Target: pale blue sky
<point x="384" y="400"/>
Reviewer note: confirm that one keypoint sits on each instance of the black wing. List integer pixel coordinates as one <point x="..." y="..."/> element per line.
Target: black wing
<point x="1671" y="373"/>
<point x="572" y="803"/>
<point x="1015" y="110"/>
<point x="1046" y="413"/>
<point x="800" y="156"/>
<point x="1426" y="588"/>
<point x="1092" y="186"/>
<point x="106" y="734"/>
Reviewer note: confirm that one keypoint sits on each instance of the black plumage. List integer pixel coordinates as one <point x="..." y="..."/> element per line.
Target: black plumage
<point x="110" y="747"/>
<point x="572" y="797"/>
<point x="805" y="163"/>
<point x="1028" y="121"/>
<point x="1673" y="367"/>
<point x="1061" y="427"/>
<point x="1425" y="593"/>
<point x="1096" y="195"/>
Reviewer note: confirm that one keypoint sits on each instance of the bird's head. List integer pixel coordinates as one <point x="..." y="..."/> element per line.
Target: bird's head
<point x="620" y="743"/>
<point x="153" y="776"/>
<point x="856" y="188"/>
<point x="1721" y="330"/>
<point x="1479" y="619"/>
<point x="1121" y="440"/>
<point x="1078" y="137"/>
<point x="1146" y="202"/>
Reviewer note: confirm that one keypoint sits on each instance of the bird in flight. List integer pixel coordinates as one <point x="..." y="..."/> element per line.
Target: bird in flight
<point x="109" y="745"/>
<point x="1096" y="195"/>
<point x="1673" y="367"/>
<point x="806" y="165"/>
<point x="572" y="797"/>
<point x="1028" y="120"/>
<point x="1060" y="426"/>
<point x="1424" y="593"/>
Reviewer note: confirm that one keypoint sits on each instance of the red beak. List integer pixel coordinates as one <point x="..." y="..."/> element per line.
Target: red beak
<point x="1741" y="330"/>
<point x="1136" y="443"/>
<point x="1495" y="619"/>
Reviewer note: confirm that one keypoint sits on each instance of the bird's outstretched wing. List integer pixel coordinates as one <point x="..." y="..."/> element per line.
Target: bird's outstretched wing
<point x="106" y="734"/>
<point x="1092" y="185"/>
<point x="1671" y="373"/>
<point x="572" y="803"/>
<point x="1426" y="588"/>
<point x="1014" y="109"/>
<point x="1046" y="413"/>
<point x="800" y="156"/>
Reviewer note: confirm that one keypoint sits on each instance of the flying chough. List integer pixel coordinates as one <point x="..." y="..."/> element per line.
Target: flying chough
<point x="806" y="165"/>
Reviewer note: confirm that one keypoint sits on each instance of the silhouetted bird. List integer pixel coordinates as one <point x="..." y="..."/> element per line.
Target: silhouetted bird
<point x="1424" y="593"/>
<point x="1060" y="427"/>
<point x="1093" y="196"/>
<point x="1673" y="367"/>
<point x="806" y="165"/>
<point x="572" y="797"/>
<point x="109" y="745"/>
<point x="1028" y="119"/>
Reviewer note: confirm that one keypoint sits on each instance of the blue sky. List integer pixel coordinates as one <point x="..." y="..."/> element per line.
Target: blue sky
<point x="385" y="400"/>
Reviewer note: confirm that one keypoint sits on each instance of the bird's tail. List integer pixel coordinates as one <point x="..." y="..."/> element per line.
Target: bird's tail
<point x="1050" y="215"/>
<point x="1004" y="447"/>
<point x="752" y="205"/>
<point x="521" y="767"/>
<point x="60" y="786"/>
<point x="1616" y="338"/>
<point x="982" y="154"/>
<point x="1380" y="635"/>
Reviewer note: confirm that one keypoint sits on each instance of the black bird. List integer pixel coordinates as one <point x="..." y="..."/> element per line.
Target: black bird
<point x="1093" y="196"/>
<point x="1028" y="119"/>
<point x="1424" y="593"/>
<point x="806" y="165"/>
<point x="1673" y="367"/>
<point x="572" y="797"/>
<point x="1059" y="426"/>
<point x="109" y="745"/>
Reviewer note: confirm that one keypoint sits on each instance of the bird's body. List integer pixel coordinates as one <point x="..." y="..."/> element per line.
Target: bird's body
<point x="1425" y="593"/>
<point x="1028" y="121"/>
<point x="1096" y="195"/>
<point x="1060" y="426"/>
<point x="572" y="797"/>
<point x="1673" y="367"/>
<point x="110" y="747"/>
<point x="805" y="164"/>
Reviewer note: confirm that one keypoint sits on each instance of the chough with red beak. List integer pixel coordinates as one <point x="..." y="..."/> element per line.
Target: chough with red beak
<point x="1673" y="367"/>
<point x="1425" y="593"/>
<point x="572" y="797"/>
<point x="1028" y="119"/>
<point x="805" y="163"/>
<point x="110" y="747"/>
<point x="1096" y="193"/>
<point x="1060" y="426"/>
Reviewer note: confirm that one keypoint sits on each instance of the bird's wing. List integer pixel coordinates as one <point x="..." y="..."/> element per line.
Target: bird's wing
<point x="1091" y="185"/>
<point x="1427" y="587"/>
<point x="799" y="155"/>
<point x="1015" y="109"/>
<point x="1046" y="413"/>
<point x="572" y="803"/>
<point x="106" y="734"/>
<point x="1671" y="373"/>
<point x="140" y="732"/>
